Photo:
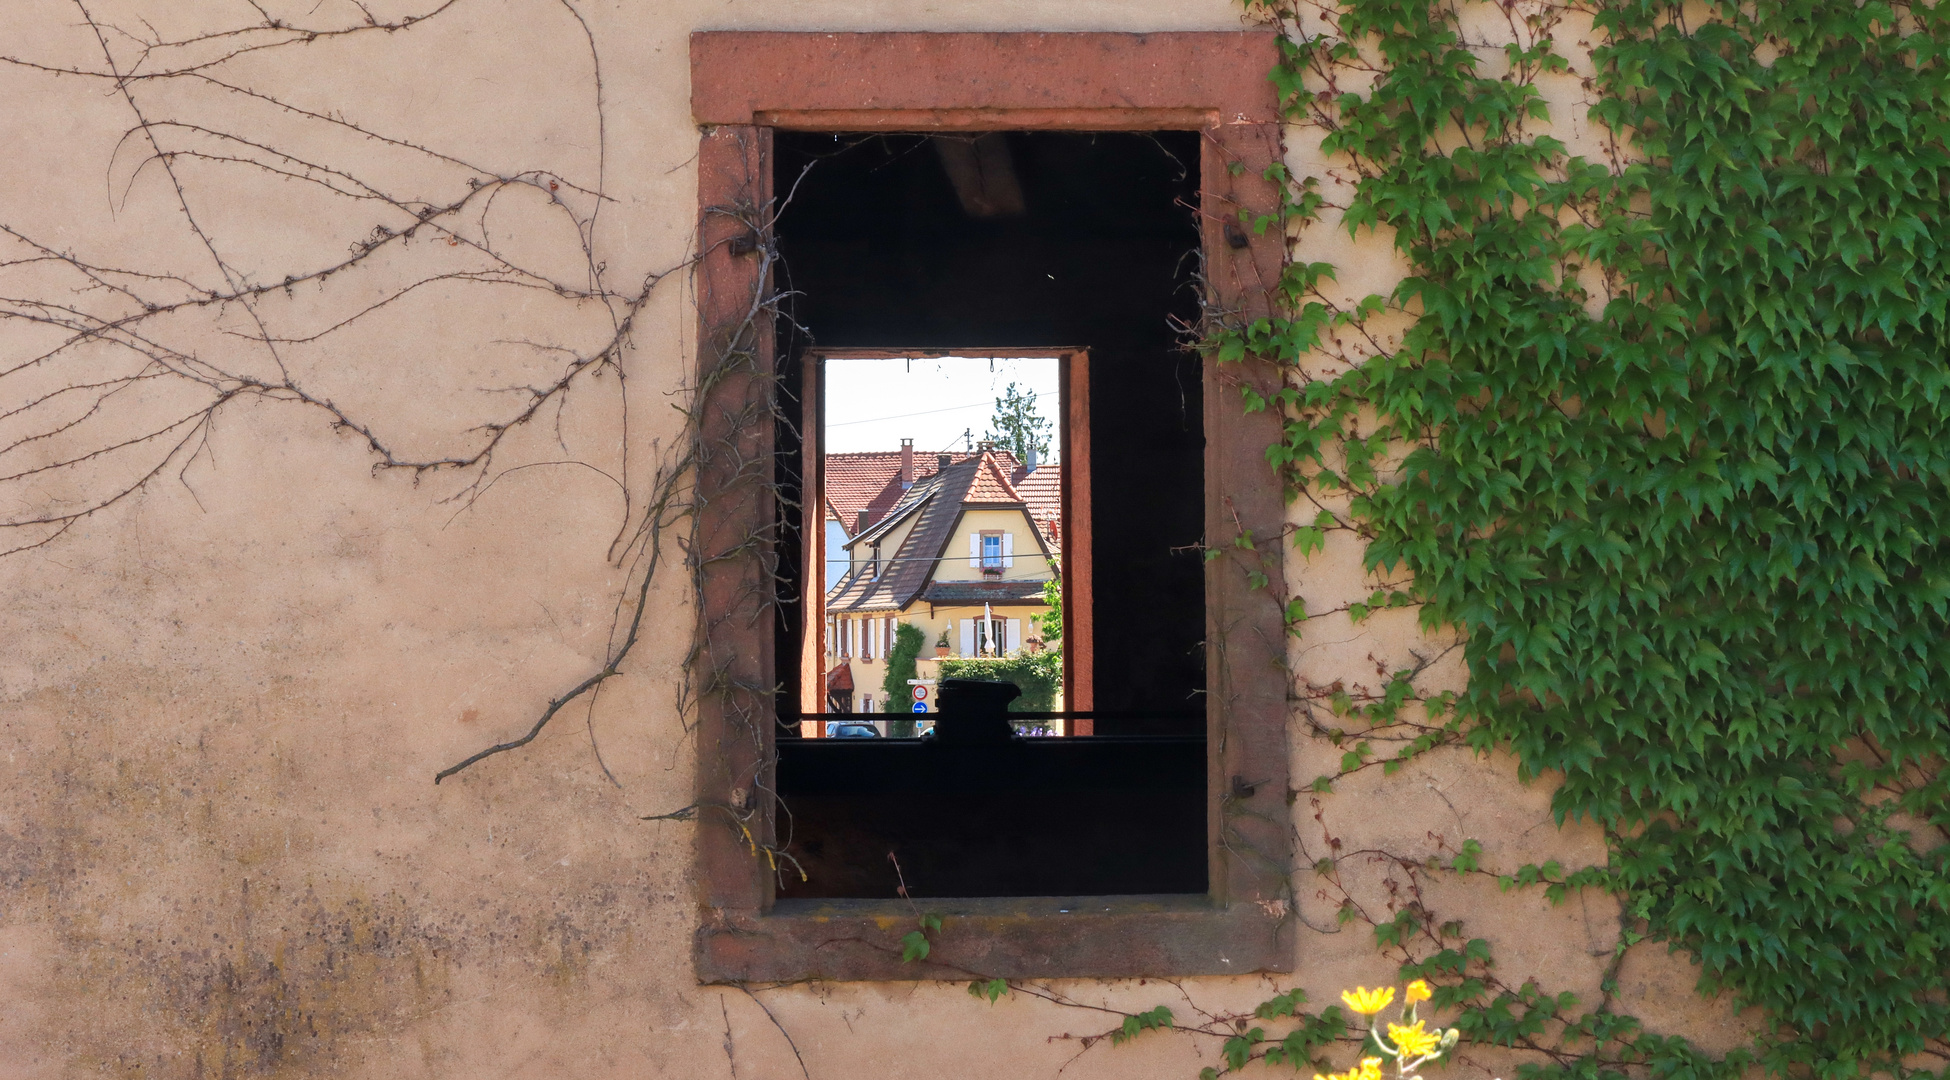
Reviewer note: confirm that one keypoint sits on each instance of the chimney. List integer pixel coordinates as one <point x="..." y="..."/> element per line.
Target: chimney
<point x="941" y="462"/>
<point x="907" y="464"/>
<point x="866" y="518"/>
<point x="1029" y="466"/>
<point x="986" y="446"/>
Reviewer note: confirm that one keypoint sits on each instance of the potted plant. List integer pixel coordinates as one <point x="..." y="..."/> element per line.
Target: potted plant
<point x="941" y="645"/>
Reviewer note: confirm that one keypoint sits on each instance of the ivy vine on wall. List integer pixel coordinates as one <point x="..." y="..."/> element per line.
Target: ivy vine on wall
<point x="1665" y="445"/>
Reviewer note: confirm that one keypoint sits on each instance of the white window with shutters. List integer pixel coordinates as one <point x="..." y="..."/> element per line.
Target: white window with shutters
<point x="993" y="545"/>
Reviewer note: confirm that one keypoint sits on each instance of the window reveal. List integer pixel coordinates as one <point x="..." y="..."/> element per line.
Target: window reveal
<point x="863" y="796"/>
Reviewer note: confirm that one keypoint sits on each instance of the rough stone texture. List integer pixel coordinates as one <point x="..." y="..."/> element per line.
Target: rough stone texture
<point x="222" y="701"/>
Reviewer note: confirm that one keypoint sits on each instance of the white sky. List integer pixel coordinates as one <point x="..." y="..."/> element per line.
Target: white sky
<point x="874" y="404"/>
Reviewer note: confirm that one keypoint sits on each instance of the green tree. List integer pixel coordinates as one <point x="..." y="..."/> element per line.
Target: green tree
<point x="901" y="667"/>
<point x="1016" y="425"/>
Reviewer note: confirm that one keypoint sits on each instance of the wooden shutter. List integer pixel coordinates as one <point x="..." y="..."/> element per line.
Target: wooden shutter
<point x="975" y="551"/>
<point x="1012" y="635"/>
<point x="1008" y="549"/>
<point x="968" y="637"/>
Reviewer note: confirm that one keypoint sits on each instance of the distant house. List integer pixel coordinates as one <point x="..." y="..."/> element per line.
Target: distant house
<point x="962" y="552"/>
<point x="860" y="489"/>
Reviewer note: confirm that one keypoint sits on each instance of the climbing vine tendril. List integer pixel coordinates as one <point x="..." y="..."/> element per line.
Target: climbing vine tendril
<point x="1663" y="444"/>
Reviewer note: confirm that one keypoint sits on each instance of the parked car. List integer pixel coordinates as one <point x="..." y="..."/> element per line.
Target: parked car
<point x="851" y="729"/>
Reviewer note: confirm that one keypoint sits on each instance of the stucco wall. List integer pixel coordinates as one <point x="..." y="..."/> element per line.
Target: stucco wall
<point x="223" y="699"/>
<point x="1025" y="562"/>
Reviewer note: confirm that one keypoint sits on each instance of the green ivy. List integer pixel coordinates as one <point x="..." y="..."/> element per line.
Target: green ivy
<point x="896" y="695"/>
<point x="1694" y="530"/>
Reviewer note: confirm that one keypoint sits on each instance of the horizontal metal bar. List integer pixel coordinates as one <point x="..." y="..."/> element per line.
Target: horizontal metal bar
<point x="1075" y="714"/>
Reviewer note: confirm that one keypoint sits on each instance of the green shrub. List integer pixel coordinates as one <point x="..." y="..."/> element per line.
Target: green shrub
<point x="900" y="668"/>
<point x="1039" y="675"/>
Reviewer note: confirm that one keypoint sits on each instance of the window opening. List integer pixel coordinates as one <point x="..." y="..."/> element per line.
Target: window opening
<point x="955" y="463"/>
<point x="885" y="257"/>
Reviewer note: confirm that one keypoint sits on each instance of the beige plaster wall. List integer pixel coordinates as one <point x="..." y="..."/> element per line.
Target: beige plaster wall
<point x="223" y="699"/>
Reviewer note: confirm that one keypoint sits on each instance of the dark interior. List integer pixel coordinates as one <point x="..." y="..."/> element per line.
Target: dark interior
<point x="1019" y="239"/>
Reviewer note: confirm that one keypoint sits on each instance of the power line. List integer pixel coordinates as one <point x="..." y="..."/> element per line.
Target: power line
<point x="903" y="416"/>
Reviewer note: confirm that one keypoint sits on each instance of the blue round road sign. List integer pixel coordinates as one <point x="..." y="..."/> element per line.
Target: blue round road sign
<point x="920" y="706"/>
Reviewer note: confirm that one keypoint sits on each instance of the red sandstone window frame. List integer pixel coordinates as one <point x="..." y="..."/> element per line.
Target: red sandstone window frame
<point x="744" y="85"/>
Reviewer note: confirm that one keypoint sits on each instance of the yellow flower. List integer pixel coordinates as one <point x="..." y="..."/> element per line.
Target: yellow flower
<point x="1413" y="1041"/>
<point x="1369" y="1069"/>
<point x="1368" y="1002"/>
<point x="1418" y="991"/>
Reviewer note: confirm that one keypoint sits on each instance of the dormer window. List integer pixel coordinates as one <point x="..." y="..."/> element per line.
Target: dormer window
<point x="873" y="562"/>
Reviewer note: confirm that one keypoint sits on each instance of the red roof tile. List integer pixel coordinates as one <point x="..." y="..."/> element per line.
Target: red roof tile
<point x="865" y="481"/>
<point x="983" y="592"/>
<point x="1042" y="492"/>
<point x="870" y="481"/>
<point x="990" y="483"/>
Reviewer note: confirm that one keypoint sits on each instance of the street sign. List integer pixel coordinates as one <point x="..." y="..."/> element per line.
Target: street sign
<point x="920" y="693"/>
<point x="920" y="706"/>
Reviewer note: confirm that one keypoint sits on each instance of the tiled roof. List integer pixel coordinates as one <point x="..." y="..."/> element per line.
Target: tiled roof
<point x="856" y="482"/>
<point x="991" y="483"/>
<point x="936" y="502"/>
<point x="870" y="481"/>
<point x="983" y="592"/>
<point x="1042" y="492"/>
<point x="841" y="677"/>
<point x="936" y="499"/>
